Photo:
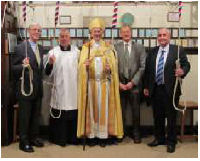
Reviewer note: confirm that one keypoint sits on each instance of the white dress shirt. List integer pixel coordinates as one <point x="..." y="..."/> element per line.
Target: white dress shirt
<point x="129" y="46"/>
<point x="33" y="45"/>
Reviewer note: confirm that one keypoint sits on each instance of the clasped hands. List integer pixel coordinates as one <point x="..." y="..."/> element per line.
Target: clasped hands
<point x="125" y="87"/>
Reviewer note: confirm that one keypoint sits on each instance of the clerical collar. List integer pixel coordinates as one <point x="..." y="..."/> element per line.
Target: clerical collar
<point x="65" y="48"/>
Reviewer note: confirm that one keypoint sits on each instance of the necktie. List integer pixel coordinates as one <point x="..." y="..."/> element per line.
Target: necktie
<point x="37" y="54"/>
<point x="126" y="62"/>
<point x="160" y="69"/>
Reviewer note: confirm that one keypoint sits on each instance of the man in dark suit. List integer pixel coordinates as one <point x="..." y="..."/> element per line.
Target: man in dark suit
<point x="131" y="65"/>
<point x="29" y="53"/>
<point x="160" y="77"/>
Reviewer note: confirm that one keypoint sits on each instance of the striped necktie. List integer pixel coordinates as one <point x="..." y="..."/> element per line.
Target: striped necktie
<point x="160" y="69"/>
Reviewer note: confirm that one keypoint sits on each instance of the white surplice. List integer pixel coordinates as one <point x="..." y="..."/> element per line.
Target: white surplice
<point x="64" y="75"/>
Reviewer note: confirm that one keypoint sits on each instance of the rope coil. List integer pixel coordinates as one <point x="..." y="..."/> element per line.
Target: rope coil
<point x="178" y="79"/>
<point x="30" y="80"/>
<point x="28" y="66"/>
<point x="54" y="88"/>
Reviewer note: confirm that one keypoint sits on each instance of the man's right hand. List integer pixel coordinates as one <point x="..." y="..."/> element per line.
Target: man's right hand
<point x="52" y="59"/>
<point x="122" y="87"/>
<point x="146" y="92"/>
<point x="26" y="61"/>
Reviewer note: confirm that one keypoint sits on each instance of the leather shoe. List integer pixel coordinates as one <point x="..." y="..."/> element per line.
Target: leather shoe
<point x="171" y="148"/>
<point x="137" y="140"/>
<point x="102" y="143"/>
<point x="26" y="148"/>
<point x="37" y="142"/>
<point x="156" y="143"/>
<point x="91" y="142"/>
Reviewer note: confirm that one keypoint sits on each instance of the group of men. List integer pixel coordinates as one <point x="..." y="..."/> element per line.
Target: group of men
<point x="96" y="92"/>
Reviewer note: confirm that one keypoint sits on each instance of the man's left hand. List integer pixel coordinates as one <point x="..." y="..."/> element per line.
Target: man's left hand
<point x="179" y="72"/>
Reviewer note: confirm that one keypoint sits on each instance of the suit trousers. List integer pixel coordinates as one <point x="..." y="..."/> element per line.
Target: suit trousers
<point x="130" y="112"/>
<point x="29" y="117"/>
<point x="163" y="108"/>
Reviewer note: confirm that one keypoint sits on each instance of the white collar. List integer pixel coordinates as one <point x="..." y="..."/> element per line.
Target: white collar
<point x="129" y="43"/>
<point x="165" y="48"/>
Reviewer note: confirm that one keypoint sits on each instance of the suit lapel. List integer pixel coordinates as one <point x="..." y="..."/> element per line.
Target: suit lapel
<point x="122" y="47"/>
<point x="41" y="55"/>
<point x="40" y="50"/>
<point x="154" y="59"/>
<point x="169" y="57"/>
<point x="132" y="51"/>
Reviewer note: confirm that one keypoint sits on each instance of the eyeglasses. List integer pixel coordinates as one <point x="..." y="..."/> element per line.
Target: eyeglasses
<point x="38" y="30"/>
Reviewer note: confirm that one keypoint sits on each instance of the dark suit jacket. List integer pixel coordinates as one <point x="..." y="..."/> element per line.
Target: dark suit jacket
<point x="17" y="67"/>
<point x="137" y="63"/>
<point x="169" y="69"/>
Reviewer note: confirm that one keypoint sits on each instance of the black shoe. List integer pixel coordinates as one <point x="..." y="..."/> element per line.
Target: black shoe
<point x="37" y="142"/>
<point x="91" y="142"/>
<point x="156" y="143"/>
<point x="119" y="140"/>
<point x="137" y="139"/>
<point x="136" y="136"/>
<point x="112" y="141"/>
<point x="26" y="148"/>
<point x="102" y="143"/>
<point x="171" y="148"/>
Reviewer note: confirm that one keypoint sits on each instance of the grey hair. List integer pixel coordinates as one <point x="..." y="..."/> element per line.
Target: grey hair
<point x="125" y="26"/>
<point x="168" y="31"/>
<point x="34" y="24"/>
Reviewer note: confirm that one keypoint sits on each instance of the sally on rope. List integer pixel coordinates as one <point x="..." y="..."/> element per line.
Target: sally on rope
<point x="179" y="79"/>
<point x="26" y="60"/>
<point x="54" y="79"/>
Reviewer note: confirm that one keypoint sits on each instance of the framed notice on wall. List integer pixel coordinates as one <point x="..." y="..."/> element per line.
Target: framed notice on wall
<point x="72" y="32"/>
<point x="107" y="32"/>
<point x="173" y="17"/>
<point x="115" y="32"/>
<point x="65" y="20"/>
<point x="51" y="32"/>
<point x="79" y="33"/>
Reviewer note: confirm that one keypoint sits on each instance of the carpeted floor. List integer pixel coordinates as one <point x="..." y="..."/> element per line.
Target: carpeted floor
<point x="126" y="149"/>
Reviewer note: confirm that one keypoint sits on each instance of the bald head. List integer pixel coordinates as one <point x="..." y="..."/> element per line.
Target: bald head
<point x="64" y="37"/>
<point x="64" y="31"/>
<point x="163" y="36"/>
